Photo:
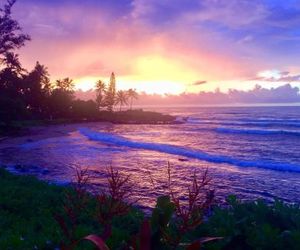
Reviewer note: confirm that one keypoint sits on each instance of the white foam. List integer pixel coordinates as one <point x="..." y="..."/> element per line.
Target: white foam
<point x="243" y="122"/>
<point x="257" y="131"/>
<point x="186" y="152"/>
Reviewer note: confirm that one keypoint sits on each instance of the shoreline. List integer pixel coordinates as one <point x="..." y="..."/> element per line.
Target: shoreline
<point x="41" y="132"/>
<point x="134" y="117"/>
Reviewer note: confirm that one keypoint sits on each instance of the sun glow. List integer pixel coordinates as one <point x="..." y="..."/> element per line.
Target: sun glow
<point x="150" y="74"/>
<point x="149" y="87"/>
<point x="85" y="83"/>
<point x="159" y="87"/>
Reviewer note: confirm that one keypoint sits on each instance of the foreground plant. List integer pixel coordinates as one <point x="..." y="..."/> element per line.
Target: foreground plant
<point x="172" y="219"/>
<point x="109" y="205"/>
<point x="255" y="225"/>
<point x="74" y="206"/>
<point x="243" y="225"/>
<point x="166" y="228"/>
<point x="191" y="214"/>
<point x="113" y="203"/>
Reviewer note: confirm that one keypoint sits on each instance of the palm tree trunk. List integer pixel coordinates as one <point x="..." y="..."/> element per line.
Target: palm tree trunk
<point x="120" y="106"/>
<point x="131" y="103"/>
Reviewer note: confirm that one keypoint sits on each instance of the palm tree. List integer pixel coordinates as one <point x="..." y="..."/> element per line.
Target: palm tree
<point x="65" y="84"/>
<point x="11" y="60"/>
<point x="121" y="98"/>
<point x="100" y="93"/>
<point x="132" y="94"/>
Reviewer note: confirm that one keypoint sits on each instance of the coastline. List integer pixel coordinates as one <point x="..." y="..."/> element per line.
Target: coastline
<point x="139" y="116"/>
<point x="36" y="133"/>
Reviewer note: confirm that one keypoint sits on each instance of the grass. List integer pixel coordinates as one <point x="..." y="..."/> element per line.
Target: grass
<point x="28" y="208"/>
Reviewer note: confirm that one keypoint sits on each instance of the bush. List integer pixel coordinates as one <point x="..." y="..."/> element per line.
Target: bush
<point x="254" y="225"/>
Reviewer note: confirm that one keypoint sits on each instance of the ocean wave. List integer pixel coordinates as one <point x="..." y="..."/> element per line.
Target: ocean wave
<point x="256" y="123"/>
<point x="257" y="131"/>
<point x="186" y="152"/>
<point x="272" y="120"/>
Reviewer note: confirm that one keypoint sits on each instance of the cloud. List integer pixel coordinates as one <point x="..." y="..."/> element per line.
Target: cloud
<point x="277" y="76"/>
<point x="197" y="83"/>
<point x="294" y="78"/>
<point x="221" y="40"/>
<point x="281" y="94"/>
<point x="246" y="39"/>
<point x="106" y="40"/>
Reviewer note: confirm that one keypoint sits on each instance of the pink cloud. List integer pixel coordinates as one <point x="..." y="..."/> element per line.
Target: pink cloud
<point x="80" y="41"/>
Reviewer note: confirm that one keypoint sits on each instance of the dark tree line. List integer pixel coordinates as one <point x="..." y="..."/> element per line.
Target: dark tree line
<point x="32" y="95"/>
<point x="23" y="94"/>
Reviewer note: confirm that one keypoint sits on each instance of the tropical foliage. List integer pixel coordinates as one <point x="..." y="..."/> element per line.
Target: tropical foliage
<point x="132" y="94"/>
<point x="100" y="89"/>
<point x="121" y="98"/>
<point x="254" y="225"/>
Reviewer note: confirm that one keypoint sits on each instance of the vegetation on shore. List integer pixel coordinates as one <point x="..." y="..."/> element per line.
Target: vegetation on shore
<point x="137" y="116"/>
<point x="38" y="215"/>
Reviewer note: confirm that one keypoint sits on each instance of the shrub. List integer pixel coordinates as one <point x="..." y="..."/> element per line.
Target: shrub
<point x="254" y="225"/>
<point x="169" y="223"/>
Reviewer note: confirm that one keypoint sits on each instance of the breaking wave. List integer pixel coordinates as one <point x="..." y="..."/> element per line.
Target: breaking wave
<point x="257" y="131"/>
<point x="258" y="123"/>
<point x="186" y="152"/>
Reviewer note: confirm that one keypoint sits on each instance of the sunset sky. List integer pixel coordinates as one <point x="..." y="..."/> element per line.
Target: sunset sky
<point x="165" y="46"/>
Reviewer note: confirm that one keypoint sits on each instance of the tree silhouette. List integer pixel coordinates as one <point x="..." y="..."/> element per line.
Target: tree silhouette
<point x="61" y="98"/>
<point x="12" y="103"/>
<point x="38" y="89"/>
<point x="11" y="36"/>
<point x="100" y="94"/>
<point x="84" y="109"/>
<point x="121" y="98"/>
<point x="11" y="61"/>
<point x="132" y="94"/>
<point x="112" y="84"/>
<point x="65" y="84"/>
<point x="111" y="93"/>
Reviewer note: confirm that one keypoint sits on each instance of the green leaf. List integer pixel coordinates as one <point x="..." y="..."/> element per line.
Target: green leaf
<point x="162" y="213"/>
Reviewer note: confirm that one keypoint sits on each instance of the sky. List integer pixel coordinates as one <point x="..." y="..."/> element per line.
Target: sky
<point x="165" y="46"/>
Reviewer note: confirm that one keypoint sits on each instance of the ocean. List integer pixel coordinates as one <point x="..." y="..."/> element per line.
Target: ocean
<point x="251" y="152"/>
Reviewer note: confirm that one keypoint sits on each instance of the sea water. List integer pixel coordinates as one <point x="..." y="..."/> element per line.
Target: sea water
<point x="252" y="152"/>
